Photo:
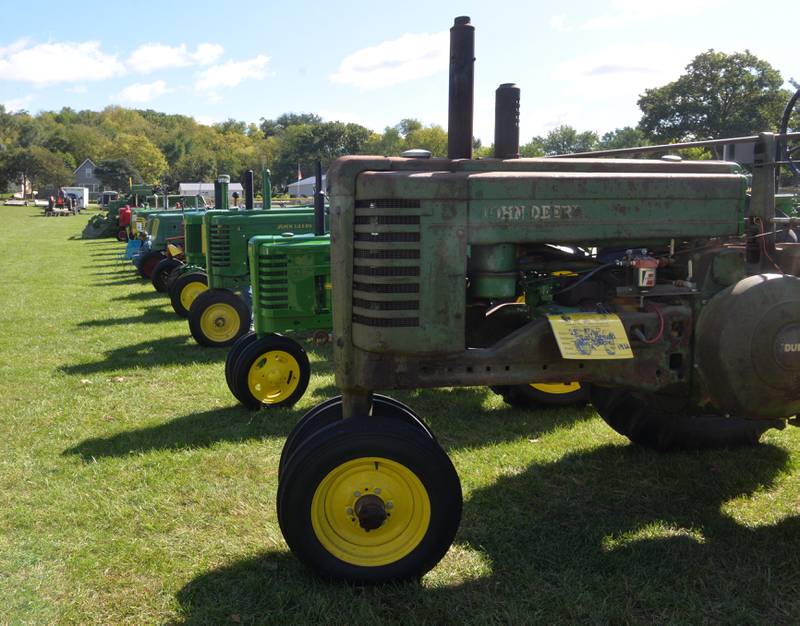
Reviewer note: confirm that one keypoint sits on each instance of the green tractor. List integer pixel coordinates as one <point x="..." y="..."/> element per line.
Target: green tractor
<point x="290" y="276"/>
<point x="189" y="279"/>
<point x="679" y="308"/>
<point x="109" y="225"/>
<point x="220" y="315"/>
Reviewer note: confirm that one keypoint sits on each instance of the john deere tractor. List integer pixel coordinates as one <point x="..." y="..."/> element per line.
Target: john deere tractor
<point x="291" y="289"/>
<point x="186" y="282"/>
<point x="653" y="280"/>
<point x="220" y="315"/>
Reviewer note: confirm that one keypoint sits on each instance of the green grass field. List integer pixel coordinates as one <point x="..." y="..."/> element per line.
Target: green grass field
<point x="133" y="489"/>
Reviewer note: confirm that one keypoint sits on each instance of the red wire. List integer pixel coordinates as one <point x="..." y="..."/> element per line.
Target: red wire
<point x="660" y="328"/>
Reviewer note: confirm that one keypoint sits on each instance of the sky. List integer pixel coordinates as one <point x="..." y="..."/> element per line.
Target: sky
<point x="582" y="63"/>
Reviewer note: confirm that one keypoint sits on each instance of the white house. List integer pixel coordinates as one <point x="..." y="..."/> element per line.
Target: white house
<point x="304" y="187"/>
<point x="207" y="191"/>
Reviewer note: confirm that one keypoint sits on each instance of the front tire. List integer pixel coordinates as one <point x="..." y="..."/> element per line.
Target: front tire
<point x="272" y="371"/>
<point x="184" y="290"/>
<point x="217" y="318"/>
<point x="369" y="500"/>
<point x="162" y="271"/>
<point x="147" y="264"/>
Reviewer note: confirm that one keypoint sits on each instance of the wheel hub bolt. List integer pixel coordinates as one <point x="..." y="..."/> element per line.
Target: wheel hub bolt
<point x="219" y="322"/>
<point x="370" y="511"/>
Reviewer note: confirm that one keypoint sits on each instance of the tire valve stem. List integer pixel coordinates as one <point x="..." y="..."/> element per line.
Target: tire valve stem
<point x="370" y="511"/>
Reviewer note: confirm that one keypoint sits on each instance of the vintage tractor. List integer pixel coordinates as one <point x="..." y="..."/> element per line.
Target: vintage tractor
<point x="220" y="315"/>
<point x="290" y="276"/>
<point x="676" y="305"/>
<point x="189" y="279"/>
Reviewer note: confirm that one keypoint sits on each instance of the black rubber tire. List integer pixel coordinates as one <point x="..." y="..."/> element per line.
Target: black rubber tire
<point x="147" y="264"/>
<point x="122" y="235"/>
<point x="230" y="360"/>
<point x="526" y="397"/>
<point x="177" y="287"/>
<point x="650" y="421"/>
<point x="162" y="272"/>
<point x="252" y="352"/>
<point x="357" y="438"/>
<point x="218" y="296"/>
<point x="330" y="412"/>
<point x="176" y="271"/>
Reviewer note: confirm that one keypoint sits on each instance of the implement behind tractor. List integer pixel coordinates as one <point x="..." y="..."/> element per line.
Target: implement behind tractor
<point x="656" y="281"/>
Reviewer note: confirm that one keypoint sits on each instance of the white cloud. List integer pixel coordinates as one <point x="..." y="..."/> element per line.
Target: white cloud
<point x="409" y="57"/>
<point x="612" y="79"/>
<point x="16" y="104"/>
<point x="156" y="56"/>
<point x="230" y="74"/>
<point x="58" y="62"/>
<point x="143" y="92"/>
<point x="205" y="120"/>
<point x="625" y="13"/>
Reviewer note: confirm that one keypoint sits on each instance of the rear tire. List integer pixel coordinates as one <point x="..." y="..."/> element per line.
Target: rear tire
<point x="655" y="422"/>
<point x="537" y="396"/>
<point x="162" y="271"/>
<point x="218" y="317"/>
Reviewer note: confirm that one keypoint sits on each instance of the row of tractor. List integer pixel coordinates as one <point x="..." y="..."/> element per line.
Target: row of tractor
<point x="667" y="290"/>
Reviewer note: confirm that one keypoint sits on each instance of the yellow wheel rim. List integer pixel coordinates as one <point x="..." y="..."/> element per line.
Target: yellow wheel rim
<point x="190" y="291"/>
<point x="273" y="376"/>
<point x="220" y="322"/>
<point x="338" y="496"/>
<point x="556" y="388"/>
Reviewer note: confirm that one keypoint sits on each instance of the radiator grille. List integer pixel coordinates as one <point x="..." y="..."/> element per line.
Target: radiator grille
<point x="273" y="282"/>
<point x="386" y="264"/>
<point x="219" y="245"/>
<point x="194" y="238"/>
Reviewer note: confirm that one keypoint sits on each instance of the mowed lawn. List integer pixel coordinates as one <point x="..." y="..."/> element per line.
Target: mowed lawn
<point x="133" y="489"/>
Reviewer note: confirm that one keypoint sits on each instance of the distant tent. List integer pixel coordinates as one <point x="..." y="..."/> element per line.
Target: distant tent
<point x="304" y="187"/>
<point x="207" y="191"/>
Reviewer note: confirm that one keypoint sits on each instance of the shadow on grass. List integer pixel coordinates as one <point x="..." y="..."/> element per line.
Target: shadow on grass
<point x="141" y="295"/>
<point x="151" y="315"/>
<point x="176" y="350"/>
<point x="198" y="430"/>
<point x="616" y="534"/>
<point x="124" y="279"/>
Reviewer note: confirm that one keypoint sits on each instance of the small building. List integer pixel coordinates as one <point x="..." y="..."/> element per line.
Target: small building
<point x="304" y="187"/>
<point x="207" y="191"/>
<point x="84" y="176"/>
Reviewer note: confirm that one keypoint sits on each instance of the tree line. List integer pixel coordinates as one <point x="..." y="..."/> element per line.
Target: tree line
<point x="719" y="95"/>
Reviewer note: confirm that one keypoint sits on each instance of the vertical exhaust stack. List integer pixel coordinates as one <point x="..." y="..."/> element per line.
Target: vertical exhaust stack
<point x="506" y="121"/>
<point x="462" y="82"/>
<point x="249" y="196"/>
<point x="266" y="188"/>
<point x="319" y="201"/>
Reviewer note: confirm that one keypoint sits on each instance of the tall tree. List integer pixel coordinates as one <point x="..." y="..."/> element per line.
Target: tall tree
<point x="720" y="95"/>
<point x="117" y="173"/>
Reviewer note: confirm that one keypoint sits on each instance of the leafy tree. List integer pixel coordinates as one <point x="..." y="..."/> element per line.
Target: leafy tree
<point x="534" y="148"/>
<point x="116" y="173"/>
<point x="720" y="95"/>
<point x="38" y="166"/>
<point x="142" y="154"/>
<point x="626" y="137"/>
<point x="433" y="138"/>
<point x="277" y="126"/>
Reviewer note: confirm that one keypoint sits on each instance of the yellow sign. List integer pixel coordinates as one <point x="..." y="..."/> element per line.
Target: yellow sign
<point x="585" y="336"/>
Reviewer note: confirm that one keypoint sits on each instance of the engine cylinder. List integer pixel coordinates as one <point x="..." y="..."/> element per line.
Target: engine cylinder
<point x="748" y="347"/>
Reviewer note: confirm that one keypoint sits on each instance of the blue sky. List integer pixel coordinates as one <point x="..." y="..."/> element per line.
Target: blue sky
<point x="578" y="62"/>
